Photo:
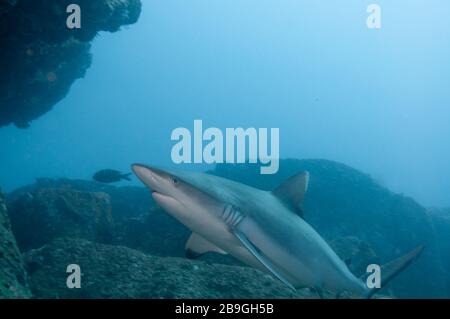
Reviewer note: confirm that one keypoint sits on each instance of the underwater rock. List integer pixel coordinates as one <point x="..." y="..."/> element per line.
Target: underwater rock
<point x="127" y="202"/>
<point x="120" y="272"/>
<point x="156" y="233"/>
<point x="39" y="217"/>
<point x="159" y="234"/>
<point x="6" y="6"/>
<point x="356" y="253"/>
<point x="441" y="223"/>
<point x="40" y="57"/>
<point x="13" y="278"/>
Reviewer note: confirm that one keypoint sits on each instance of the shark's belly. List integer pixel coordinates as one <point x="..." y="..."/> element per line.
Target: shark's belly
<point x="209" y="226"/>
<point x="299" y="251"/>
<point x="291" y="244"/>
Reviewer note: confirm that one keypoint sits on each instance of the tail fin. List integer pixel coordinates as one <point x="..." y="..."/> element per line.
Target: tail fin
<point x="393" y="268"/>
<point x="126" y="176"/>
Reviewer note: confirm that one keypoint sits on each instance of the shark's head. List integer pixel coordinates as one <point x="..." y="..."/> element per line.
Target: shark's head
<point x="172" y="192"/>
<point x="167" y="189"/>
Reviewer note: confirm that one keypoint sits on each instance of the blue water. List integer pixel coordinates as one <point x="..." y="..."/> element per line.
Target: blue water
<point x="377" y="100"/>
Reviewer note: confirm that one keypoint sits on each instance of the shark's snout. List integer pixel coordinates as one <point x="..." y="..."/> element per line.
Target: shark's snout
<point x="147" y="175"/>
<point x="160" y="185"/>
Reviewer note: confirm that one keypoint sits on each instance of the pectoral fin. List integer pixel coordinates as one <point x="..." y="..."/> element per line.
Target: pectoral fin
<point x="197" y="246"/>
<point x="262" y="259"/>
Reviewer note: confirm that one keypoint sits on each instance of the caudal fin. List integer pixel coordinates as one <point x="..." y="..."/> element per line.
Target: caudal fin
<point x="393" y="268"/>
<point x="126" y="176"/>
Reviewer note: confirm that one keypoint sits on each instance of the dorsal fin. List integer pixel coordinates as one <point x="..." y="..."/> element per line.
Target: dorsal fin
<point x="197" y="246"/>
<point x="292" y="191"/>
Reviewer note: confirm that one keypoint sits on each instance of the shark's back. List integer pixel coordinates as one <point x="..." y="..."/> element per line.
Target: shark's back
<point x="269" y="214"/>
<point x="225" y="190"/>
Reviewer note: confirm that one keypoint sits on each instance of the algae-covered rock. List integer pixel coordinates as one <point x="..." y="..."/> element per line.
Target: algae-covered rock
<point x="441" y="223"/>
<point x="356" y="253"/>
<point x="41" y="57"/>
<point x="39" y="217"/>
<point x="126" y="201"/>
<point x="13" y="278"/>
<point x="120" y="272"/>
<point x="6" y="6"/>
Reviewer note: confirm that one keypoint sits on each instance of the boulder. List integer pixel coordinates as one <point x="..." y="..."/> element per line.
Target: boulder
<point x="120" y="272"/>
<point x="40" y="216"/>
<point x="13" y="278"/>
<point x="40" y="57"/>
<point x="441" y="222"/>
<point x="126" y="201"/>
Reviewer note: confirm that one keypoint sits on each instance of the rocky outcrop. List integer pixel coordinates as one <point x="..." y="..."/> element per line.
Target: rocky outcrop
<point x="6" y="6"/>
<point x="40" y="57"/>
<point x="39" y="217"/>
<point x="441" y="223"/>
<point x="13" y="278"/>
<point x="126" y="202"/>
<point x="356" y="253"/>
<point x="119" y="272"/>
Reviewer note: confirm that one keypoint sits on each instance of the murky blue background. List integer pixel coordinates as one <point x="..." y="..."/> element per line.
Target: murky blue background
<point x="377" y="100"/>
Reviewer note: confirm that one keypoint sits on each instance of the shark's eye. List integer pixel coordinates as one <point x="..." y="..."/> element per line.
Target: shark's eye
<point x="175" y="180"/>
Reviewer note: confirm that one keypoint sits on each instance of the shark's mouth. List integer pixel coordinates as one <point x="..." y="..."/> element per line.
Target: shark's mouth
<point x="167" y="202"/>
<point x="160" y="196"/>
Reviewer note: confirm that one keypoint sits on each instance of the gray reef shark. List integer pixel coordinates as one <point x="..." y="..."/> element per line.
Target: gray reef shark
<point x="264" y="229"/>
